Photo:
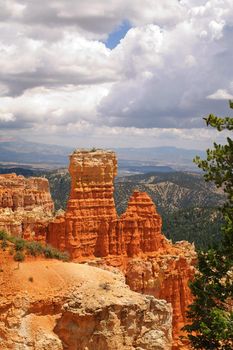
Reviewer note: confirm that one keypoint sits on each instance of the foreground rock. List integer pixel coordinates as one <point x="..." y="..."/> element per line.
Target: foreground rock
<point x="50" y="305"/>
<point x="25" y="205"/>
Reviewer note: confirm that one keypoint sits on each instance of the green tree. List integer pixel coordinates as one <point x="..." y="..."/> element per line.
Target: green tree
<point x="211" y="314"/>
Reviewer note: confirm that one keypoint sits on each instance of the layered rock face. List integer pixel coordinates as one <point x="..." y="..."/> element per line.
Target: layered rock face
<point x="50" y="305"/>
<point x="166" y="276"/>
<point x="132" y="243"/>
<point x="25" y="205"/>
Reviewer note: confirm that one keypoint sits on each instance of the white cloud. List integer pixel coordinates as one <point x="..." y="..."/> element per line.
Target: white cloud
<point x="6" y="116"/>
<point x="221" y="94"/>
<point x="54" y="106"/>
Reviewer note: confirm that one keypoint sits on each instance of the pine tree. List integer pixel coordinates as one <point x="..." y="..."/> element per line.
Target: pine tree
<point x="211" y="314"/>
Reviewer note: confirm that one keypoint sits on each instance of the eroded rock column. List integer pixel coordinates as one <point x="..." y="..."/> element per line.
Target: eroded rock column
<point x="91" y="216"/>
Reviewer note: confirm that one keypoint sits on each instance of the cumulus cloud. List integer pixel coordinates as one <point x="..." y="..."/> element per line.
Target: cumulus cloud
<point x="168" y="76"/>
<point x="96" y="19"/>
<point x="172" y="67"/>
<point x="59" y="107"/>
<point x="6" y="116"/>
<point x="220" y="94"/>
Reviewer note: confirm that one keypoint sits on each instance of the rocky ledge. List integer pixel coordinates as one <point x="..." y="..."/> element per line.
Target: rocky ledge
<point x="50" y="305"/>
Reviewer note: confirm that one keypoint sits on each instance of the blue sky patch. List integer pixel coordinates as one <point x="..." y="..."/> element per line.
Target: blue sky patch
<point x="119" y="33"/>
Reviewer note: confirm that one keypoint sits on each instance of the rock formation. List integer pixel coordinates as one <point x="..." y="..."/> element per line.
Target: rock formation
<point x="50" y="305"/>
<point x="140" y="226"/>
<point x="90" y="226"/>
<point x="133" y="243"/>
<point x="91" y="232"/>
<point x="25" y="205"/>
<point x="166" y="276"/>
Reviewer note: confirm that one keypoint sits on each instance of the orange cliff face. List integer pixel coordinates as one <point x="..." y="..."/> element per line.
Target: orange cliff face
<point x="25" y="205"/>
<point x="133" y="243"/>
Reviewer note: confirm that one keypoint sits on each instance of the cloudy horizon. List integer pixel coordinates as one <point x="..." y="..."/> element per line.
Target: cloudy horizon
<point x="115" y="74"/>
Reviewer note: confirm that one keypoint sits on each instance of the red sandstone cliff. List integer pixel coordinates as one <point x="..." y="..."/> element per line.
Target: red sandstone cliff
<point x="133" y="243"/>
<point x="25" y="205"/>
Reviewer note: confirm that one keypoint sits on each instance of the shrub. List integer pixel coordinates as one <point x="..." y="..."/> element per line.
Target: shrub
<point x="19" y="256"/>
<point x="34" y="248"/>
<point x="53" y="253"/>
<point x="3" y="235"/>
<point x="4" y="244"/>
<point x="12" y="239"/>
<point x="19" y="244"/>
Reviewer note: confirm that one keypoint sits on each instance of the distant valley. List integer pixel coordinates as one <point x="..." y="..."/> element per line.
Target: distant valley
<point x="30" y="155"/>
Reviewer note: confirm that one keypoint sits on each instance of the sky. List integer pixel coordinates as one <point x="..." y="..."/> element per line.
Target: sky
<point x="119" y="73"/>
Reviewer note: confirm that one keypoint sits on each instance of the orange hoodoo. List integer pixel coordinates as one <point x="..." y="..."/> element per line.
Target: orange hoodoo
<point x="90" y="226"/>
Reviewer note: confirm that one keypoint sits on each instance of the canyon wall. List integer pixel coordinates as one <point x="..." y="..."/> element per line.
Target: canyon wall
<point x="91" y="231"/>
<point x="25" y="206"/>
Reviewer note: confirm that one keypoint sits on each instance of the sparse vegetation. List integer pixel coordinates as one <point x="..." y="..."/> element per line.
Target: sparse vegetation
<point x="19" y="256"/>
<point x="35" y="248"/>
<point x="52" y="253"/>
<point x="3" y="235"/>
<point x="4" y="244"/>
<point x="30" y="279"/>
<point x="20" y="247"/>
<point x="20" y="244"/>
